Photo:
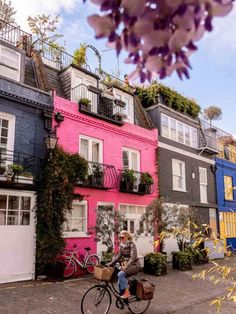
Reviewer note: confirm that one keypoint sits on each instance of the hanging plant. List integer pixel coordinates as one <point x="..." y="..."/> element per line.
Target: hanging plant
<point x="80" y="55"/>
<point x="55" y="194"/>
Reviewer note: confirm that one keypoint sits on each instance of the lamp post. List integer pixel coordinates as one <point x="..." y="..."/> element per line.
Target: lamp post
<point x="51" y="142"/>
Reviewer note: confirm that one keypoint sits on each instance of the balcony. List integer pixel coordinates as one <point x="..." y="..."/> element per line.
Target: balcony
<point x="14" y="36"/>
<point x="17" y="169"/>
<point x="131" y="181"/>
<point x="100" y="176"/>
<point x="100" y="104"/>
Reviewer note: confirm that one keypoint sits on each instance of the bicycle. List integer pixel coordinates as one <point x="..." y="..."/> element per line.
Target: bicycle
<point x="71" y="261"/>
<point x="98" y="300"/>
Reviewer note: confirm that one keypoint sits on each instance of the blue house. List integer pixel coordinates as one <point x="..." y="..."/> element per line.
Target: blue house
<point x="226" y="193"/>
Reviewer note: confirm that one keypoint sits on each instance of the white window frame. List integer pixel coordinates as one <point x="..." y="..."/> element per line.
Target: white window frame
<point x="77" y="234"/>
<point x="134" y="217"/>
<point x="130" y="151"/>
<point x="11" y="129"/>
<point x="203" y="196"/>
<point x="90" y="140"/>
<point x="129" y="109"/>
<point x="177" y="123"/>
<point x="183" y="189"/>
<point x="17" y="69"/>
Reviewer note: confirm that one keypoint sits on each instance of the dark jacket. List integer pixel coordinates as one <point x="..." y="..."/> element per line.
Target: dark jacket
<point x="128" y="253"/>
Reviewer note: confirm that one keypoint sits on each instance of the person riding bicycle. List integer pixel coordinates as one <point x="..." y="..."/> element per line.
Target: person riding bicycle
<point x="128" y="258"/>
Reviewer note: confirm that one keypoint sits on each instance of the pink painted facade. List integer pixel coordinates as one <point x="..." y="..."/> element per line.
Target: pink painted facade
<point x="114" y="138"/>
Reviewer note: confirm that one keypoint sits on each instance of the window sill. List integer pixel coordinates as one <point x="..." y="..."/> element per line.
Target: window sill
<point x="75" y="235"/>
<point x="178" y="190"/>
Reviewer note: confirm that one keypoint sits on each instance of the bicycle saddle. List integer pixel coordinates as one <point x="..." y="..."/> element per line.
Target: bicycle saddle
<point x="87" y="248"/>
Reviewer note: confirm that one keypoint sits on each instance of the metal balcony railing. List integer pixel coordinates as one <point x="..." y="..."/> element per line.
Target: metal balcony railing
<point x="100" y="176"/>
<point x="131" y="181"/>
<point x="17" y="167"/>
<point x="13" y="35"/>
<point x="101" y="104"/>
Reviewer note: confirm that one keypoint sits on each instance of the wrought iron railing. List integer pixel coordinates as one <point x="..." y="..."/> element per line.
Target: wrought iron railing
<point x="17" y="167"/>
<point x="102" y="104"/>
<point x="131" y="181"/>
<point x="13" y="35"/>
<point x="100" y="176"/>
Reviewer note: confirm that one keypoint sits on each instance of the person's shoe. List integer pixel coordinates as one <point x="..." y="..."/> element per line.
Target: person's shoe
<point x="126" y="294"/>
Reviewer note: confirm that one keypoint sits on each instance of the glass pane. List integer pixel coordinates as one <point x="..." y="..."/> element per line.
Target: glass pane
<point x="132" y="210"/>
<point x="3" y="201"/>
<point x="84" y="151"/>
<point x="125" y="225"/>
<point x="141" y="227"/>
<point x="187" y="135"/>
<point x="177" y="168"/>
<point x="4" y="123"/>
<point x="140" y="210"/>
<point x="173" y="129"/>
<point x="125" y="160"/>
<point x="194" y="138"/>
<point x="177" y="182"/>
<point x="95" y="152"/>
<point x="228" y="184"/>
<point x="24" y="218"/>
<point x="123" y="209"/>
<point x="203" y="193"/>
<point x="13" y="202"/>
<point x="77" y="225"/>
<point x="131" y="226"/>
<point x="3" y="217"/>
<point x="134" y="161"/>
<point x="202" y="176"/>
<point x="12" y="218"/>
<point x="78" y="211"/>
<point x="180" y="132"/>
<point x="25" y="203"/>
<point x="4" y="141"/>
<point x="164" y="126"/>
<point x="4" y="132"/>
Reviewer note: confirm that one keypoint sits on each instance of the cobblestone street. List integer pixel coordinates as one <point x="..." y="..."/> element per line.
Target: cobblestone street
<point x="175" y="293"/>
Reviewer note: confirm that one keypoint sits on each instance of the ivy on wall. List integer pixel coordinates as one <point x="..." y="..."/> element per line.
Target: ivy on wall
<point x="55" y="194"/>
<point x="158" y="93"/>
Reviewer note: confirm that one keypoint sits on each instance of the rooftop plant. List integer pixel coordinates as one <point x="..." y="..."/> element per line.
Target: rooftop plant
<point x="157" y="93"/>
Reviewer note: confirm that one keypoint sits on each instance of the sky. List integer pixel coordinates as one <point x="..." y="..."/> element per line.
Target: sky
<point x="213" y="77"/>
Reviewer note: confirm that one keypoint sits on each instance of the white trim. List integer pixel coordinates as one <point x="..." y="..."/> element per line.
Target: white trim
<point x="90" y="139"/>
<point x="75" y="234"/>
<point x="183" y="189"/>
<point x="11" y="129"/>
<point x="9" y="66"/>
<point x="203" y="184"/>
<point x="185" y="153"/>
<point x="131" y="150"/>
<point x="106" y="204"/>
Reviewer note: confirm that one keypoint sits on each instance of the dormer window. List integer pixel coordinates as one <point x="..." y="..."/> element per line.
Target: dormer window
<point x="178" y="131"/>
<point x="10" y="63"/>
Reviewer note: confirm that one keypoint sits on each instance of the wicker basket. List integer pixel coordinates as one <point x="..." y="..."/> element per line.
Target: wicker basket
<point x="103" y="273"/>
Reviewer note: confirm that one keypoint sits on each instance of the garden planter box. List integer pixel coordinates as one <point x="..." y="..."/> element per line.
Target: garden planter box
<point x="181" y="261"/>
<point x="144" y="188"/>
<point x="96" y="181"/>
<point x="126" y="186"/>
<point x="155" y="264"/>
<point x="55" y="271"/>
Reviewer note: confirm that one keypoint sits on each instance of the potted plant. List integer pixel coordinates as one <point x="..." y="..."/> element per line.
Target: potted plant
<point x="119" y="116"/>
<point x="16" y="170"/>
<point x="146" y="181"/>
<point x="155" y="264"/>
<point x="97" y="176"/>
<point x="85" y="103"/>
<point x="127" y="180"/>
<point x="106" y="257"/>
<point x="182" y="260"/>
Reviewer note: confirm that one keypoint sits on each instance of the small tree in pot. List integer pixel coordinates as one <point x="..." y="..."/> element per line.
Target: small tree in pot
<point x="146" y="181"/>
<point x="127" y="180"/>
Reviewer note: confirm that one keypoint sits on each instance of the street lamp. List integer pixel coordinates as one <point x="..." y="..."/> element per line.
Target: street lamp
<point x="51" y="141"/>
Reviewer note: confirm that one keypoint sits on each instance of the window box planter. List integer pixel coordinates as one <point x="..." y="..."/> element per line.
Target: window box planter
<point x="108" y="95"/>
<point x="182" y="261"/>
<point x="85" y="104"/>
<point x="127" y="180"/>
<point x="26" y="179"/>
<point x="145" y="189"/>
<point x="155" y="264"/>
<point x="97" y="176"/>
<point x="94" y="89"/>
<point x="119" y="117"/>
<point x="126" y="186"/>
<point x="120" y="103"/>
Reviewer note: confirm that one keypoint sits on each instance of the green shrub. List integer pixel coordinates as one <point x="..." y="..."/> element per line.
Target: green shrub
<point x="155" y="264"/>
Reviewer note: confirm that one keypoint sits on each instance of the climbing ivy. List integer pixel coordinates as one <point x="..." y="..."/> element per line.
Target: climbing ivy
<point x="157" y="93"/>
<point x="55" y="193"/>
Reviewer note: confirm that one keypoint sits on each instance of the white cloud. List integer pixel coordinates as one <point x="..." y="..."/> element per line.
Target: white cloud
<point x="25" y="8"/>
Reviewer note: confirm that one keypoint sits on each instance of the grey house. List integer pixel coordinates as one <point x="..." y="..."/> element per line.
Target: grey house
<point x="25" y="119"/>
<point x="185" y="164"/>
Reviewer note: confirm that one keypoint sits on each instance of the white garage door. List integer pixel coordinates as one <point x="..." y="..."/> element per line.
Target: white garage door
<point x="17" y="235"/>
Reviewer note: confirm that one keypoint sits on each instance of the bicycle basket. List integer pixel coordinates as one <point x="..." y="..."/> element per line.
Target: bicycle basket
<point x="145" y="290"/>
<point x="103" y="273"/>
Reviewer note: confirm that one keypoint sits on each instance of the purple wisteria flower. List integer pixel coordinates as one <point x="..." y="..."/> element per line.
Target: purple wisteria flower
<point x="158" y="35"/>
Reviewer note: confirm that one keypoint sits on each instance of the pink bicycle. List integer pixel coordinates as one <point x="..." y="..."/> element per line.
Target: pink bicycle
<point x="72" y="261"/>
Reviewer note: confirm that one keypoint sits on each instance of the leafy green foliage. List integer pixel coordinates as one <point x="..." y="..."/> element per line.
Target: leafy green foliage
<point x="146" y="178"/>
<point x="17" y="169"/>
<point x="80" y="55"/>
<point x="85" y="101"/>
<point x="212" y="113"/>
<point x="128" y="175"/>
<point x="109" y="223"/>
<point x="157" y="93"/>
<point x="55" y="194"/>
<point x="183" y="260"/>
<point x="155" y="264"/>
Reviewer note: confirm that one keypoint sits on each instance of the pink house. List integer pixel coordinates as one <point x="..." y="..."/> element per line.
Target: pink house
<point x="111" y="143"/>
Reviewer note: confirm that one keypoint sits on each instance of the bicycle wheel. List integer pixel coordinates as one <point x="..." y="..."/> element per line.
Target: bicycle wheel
<point x="69" y="267"/>
<point x="96" y="300"/>
<point x="136" y="306"/>
<point x="91" y="261"/>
